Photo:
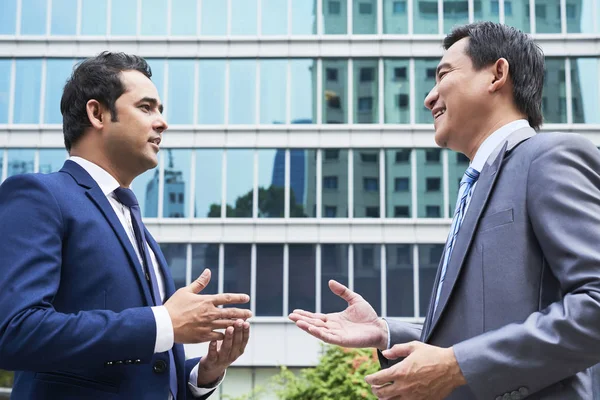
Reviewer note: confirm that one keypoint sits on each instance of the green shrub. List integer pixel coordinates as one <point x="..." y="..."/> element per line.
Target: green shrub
<point x="6" y="378"/>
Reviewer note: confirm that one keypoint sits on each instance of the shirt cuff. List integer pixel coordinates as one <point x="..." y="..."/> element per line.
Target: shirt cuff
<point x="165" y="338"/>
<point x="389" y="342"/>
<point x="192" y="384"/>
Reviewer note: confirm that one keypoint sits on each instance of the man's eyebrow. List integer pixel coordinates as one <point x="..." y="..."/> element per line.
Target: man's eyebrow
<point x="153" y="102"/>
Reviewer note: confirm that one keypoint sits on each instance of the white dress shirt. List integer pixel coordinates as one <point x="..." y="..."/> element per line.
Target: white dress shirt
<point x="481" y="156"/>
<point x="164" y="327"/>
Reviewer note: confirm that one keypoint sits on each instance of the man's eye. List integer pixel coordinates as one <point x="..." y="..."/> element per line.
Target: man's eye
<point x="145" y="107"/>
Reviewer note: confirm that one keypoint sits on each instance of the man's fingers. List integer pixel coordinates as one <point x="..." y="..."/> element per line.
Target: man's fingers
<point x="379" y="378"/>
<point x="225" y="350"/>
<point x="297" y="314"/>
<point x="234" y="313"/>
<point x="213" y="336"/>
<point x="400" y="350"/>
<point x="230" y="298"/>
<point x="343" y="292"/>
<point x="200" y="283"/>
<point x="311" y="321"/>
<point x="222" y="323"/>
<point x="245" y="336"/>
<point x="320" y="333"/>
<point x="212" y="351"/>
<point x="386" y="391"/>
<point x="238" y="335"/>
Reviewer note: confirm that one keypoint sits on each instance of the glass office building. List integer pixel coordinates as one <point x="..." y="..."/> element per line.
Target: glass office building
<point x="299" y="149"/>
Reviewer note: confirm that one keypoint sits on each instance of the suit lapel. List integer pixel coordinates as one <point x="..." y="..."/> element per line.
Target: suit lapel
<point x="485" y="185"/>
<point x="95" y="194"/>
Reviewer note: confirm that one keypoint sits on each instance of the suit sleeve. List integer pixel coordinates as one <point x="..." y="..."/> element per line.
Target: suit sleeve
<point x="563" y="202"/>
<point x="399" y="332"/>
<point x="33" y="335"/>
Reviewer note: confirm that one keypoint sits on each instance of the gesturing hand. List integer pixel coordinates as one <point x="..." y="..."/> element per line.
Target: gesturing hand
<point x="195" y="317"/>
<point x="222" y="354"/>
<point x="356" y="326"/>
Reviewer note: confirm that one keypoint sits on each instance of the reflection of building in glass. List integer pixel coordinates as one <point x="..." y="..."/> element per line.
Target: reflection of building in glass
<point x="174" y="192"/>
<point x="398" y="183"/>
<point x="16" y="167"/>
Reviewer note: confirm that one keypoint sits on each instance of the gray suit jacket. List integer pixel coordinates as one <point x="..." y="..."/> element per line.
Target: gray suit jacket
<point x="521" y="298"/>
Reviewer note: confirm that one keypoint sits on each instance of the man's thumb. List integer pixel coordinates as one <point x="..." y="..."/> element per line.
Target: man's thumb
<point x="201" y="282"/>
<point x="399" y="350"/>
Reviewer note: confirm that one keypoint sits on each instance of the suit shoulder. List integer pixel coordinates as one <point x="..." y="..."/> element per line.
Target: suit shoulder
<point x="547" y="143"/>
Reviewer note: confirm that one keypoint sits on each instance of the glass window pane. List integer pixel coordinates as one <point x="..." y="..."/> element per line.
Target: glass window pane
<point x="33" y="17"/>
<point x="455" y="13"/>
<point x="177" y="179"/>
<point x="585" y="102"/>
<point x="124" y="18"/>
<point x="424" y="82"/>
<point x="214" y="17"/>
<point x="425" y="13"/>
<point x="176" y="254"/>
<point x="274" y="17"/>
<point x="8" y="17"/>
<point x="145" y="187"/>
<point x="399" y="280"/>
<point x="547" y="16"/>
<point x="335" y="16"/>
<point x="395" y="16"/>
<point x="243" y="17"/>
<point x="64" y="17"/>
<point x="429" y="259"/>
<point x="57" y="72"/>
<point x="242" y="92"/>
<point x="27" y="91"/>
<point x="209" y="180"/>
<point x="488" y="10"/>
<point x="273" y="99"/>
<point x="211" y="92"/>
<point x="367" y="273"/>
<point x="181" y="92"/>
<point x="554" y="97"/>
<point x="398" y="183"/>
<point x="183" y="17"/>
<point x="240" y="173"/>
<point x="157" y="65"/>
<point x="302" y="277"/>
<point x="206" y="256"/>
<point x="366" y="91"/>
<point x="334" y="265"/>
<point x="303" y="97"/>
<point x="154" y="17"/>
<point x="271" y="183"/>
<point x="457" y="165"/>
<point x="20" y="161"/>
<point x="430" y="194"/>
<point x="52" y="160"/>
<point x="236" y="275"/>
<point x="269" y="280"/>
<point x="303" y="183"/>
<point x="335" y="85"/>
<point x="366" y="183"/>
<point x="516" y="13"/>
<point x="93" y="17"/>
<point x="580" y="16"/>
<point x="397" y="92"/>
<point x="364" y="17"/>
<point x="303" y="17"/>
<point x="5" y="78"/>
<point x="335" y="183"/>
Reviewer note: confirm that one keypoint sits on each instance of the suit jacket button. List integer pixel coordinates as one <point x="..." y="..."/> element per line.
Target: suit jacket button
<point x="159" y="367"/>
<point x="138" y="361"/>
<point x="118" y="362"/>
<point x="108" y="363"/>
<point x="127" y="362"/>
<point x="524" y="392"/>
<point x="515" y="395"/>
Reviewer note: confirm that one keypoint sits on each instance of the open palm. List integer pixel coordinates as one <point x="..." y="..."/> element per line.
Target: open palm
<point x="357" y="326"/>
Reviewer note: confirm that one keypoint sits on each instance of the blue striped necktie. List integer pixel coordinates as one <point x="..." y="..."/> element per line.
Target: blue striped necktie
<point x="465" y="192"/>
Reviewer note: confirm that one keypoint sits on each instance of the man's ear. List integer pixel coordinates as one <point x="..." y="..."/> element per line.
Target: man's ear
<point x="500" y="75"/>
<point x="95" y="112"/>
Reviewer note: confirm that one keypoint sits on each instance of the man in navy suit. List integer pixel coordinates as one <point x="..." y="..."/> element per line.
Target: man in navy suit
<point x="88" y="305"/>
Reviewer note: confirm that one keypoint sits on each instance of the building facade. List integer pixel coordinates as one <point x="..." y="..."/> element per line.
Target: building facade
<point x="299" y="149"/>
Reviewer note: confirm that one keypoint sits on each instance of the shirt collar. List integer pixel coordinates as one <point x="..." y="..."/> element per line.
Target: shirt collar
<point x="492" y="141"/>
<point x="105" y="180"/>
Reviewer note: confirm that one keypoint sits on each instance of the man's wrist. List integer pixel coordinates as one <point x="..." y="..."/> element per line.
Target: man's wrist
<point x="455" y="373"/>
<point x="208" y="376"/>
<point x="384" y="335"/>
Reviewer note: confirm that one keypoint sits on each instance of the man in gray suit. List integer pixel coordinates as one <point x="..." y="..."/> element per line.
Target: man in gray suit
<point x="515" y="309"/>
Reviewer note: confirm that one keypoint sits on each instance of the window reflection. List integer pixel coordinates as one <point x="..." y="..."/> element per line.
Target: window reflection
<point x="274" y="17"/>
<point x="154" y="13"/>
<point x="335" y="16"/>
<point x="554" y="100"/>
<point x="271" y="183"/>
<point x="399" y="280"/>
<point x="237" y="263"/>
<point x="398" y="176"/>
<point x="334" y="265"/>
<point x="33" y="17"/>
<point x="242" y="92"/>
<point x="206" y="256"/>
<point x="430" y="196"/>
<point x="243" y="17"/>
<point x="93" y="17"/>
<point x="489" y="10"/>
<point x="335" y="183"/>
<point x="183" y="17"/>
<point x="209" y="176"/>
<point x="366" y="183"/>
<point x="214" y="18"/>
<point x="158" y="74"/>
<point x="303" y="17"/>
<point x="177" y="179"/>
<point x="273" y="88"/>
<point x="516" y="13"/>
<point x="181" y="92"/>
<point x="211" y="92"/>
<point x="580" y="16"/>
<point x="8" y="17"/>
<point x="20" y="161"/>
<point x="364" y="17"/>
<point x="269" y="280"/>
<point x="424" y="82"/>
<point x="176" y="255"/>
<point x="27" y="91"/>
<point x="395" y="16"/>
<point x="51" y="160"/>
<point x="366" y="91"/>
<point x="303" y="183"/>
<point x="303" y="97"/>
<point x="547" y="16"/>
<point x="57" y="72"/>
<point x="5" y="74"/>
<point x="240" y="173"/>
<point x="456" y="12"/>
<point x="124" y="18"/>
<point x="425" y="13"/>
<point x="145" y="187"/>
<point x="335" y="83"/>
<point x="585" y="96"/>
<point x="429" y="258"/>
<point x="64" y="17"/>
<point x="367" y="273"/>
<point x="302" y="277"/>
<point x="397" y="91"/>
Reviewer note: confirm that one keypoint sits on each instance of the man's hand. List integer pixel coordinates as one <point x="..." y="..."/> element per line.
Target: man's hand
<point x="195" y="317"/>
<point x="427" y="373"/>
<point x="222" y="354"/>
<point x="356" y="326"/>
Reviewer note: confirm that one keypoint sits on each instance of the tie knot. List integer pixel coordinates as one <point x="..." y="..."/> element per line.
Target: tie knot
<point x="470" y="176"/>
<point x="126" y="196"/>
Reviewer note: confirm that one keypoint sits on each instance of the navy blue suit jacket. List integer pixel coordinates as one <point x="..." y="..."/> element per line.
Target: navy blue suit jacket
<point x="75" y="317"/>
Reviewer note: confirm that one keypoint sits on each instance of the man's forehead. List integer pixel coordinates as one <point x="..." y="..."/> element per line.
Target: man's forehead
<point x="139" y="84"/>
<point x="455" y="53"/>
